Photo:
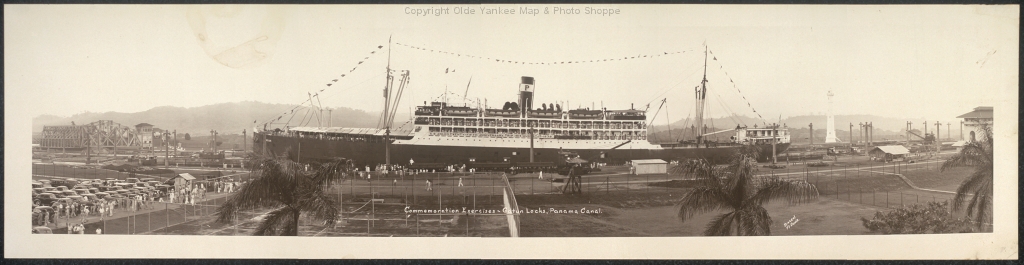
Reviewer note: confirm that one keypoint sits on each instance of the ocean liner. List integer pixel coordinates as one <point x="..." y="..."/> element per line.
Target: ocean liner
<point x="485" y="138"/>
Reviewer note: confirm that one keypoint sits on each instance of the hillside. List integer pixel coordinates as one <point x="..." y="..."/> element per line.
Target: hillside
<point x="226" y="118"/>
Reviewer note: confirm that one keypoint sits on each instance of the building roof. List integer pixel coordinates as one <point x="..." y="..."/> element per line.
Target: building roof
<point x="143" y="124"/>
<point x="648" y="161"/>
<point x="978" y="113"/>
<point x="186" y="176"/>
<point x="892" y="149"/>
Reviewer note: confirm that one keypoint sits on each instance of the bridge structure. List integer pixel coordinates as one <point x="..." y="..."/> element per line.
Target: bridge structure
<point x="99" y="135"/>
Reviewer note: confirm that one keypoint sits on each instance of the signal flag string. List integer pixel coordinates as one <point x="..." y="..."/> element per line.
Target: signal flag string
<point x="606" y="59"/>
<point x="715" y="58"/>
<point x="317" y="94"/>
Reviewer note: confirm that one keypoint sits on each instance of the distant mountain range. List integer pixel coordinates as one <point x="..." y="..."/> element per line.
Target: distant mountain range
<point x="232" y="118"/>
<point x="225" y="118"/>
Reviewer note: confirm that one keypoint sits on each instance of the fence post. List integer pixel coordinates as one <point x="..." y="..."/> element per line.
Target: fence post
<point x="887" y="199"/>
<point x="167" y="213"/>
<point x="901" y="200"/>
<point x="607" y="186"/>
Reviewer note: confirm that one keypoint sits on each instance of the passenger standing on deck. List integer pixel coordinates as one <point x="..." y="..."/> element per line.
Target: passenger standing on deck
<point x="428" y="185"/>
<point x="460" y="182"/>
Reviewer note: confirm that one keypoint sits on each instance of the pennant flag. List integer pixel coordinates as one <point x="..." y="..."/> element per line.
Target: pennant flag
<point x="342" y="75"/>
<point x="328" y="84"/>
<point x="360" y="62"/>
<point x="334" y="80"/>
<point x="380" y="46"/>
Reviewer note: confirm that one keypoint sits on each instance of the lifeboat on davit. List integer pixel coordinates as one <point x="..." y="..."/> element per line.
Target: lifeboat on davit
<point x="544" y="114"/>
<point x="584" y="114"/>
<point x="460" y="111"/>
<point x="501" y="113"/>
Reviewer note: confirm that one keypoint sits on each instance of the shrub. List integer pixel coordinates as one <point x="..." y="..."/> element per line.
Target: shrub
<point x="917" y="219"/>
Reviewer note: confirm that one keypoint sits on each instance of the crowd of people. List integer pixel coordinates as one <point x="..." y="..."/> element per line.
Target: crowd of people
<point x="80" y="211"/>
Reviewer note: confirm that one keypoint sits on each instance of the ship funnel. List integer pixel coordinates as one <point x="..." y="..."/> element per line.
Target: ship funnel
<point x="526" y="95"/>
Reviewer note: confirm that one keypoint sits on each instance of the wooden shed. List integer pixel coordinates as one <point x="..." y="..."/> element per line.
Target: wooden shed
<point x="180" y="181"/>
<point x="650" y="166"/>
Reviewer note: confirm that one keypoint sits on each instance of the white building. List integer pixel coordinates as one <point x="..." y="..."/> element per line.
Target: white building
<point x="973" y="120"/>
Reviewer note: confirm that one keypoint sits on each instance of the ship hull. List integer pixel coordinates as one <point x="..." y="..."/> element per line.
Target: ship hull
<point x="365" y="153"/>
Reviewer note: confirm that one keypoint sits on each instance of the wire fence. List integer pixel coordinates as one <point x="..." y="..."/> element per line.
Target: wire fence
<point x="143" y="218"/>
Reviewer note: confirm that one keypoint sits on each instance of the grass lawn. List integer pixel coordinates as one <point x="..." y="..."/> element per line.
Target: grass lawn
<point x="933" y="179"/>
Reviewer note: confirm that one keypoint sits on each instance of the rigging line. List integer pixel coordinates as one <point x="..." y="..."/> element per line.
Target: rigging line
<point x="672" y="87"/>
<point x="720" y="66"/>
<point x="686" y="122"/>
<point x="319" y="107"/>
<point x="401" y="88"/>
<point x="290" y="119"/>
<point x="668" y="122"/>
<point x="732" y="115"/>
<point x="366" y="59"/>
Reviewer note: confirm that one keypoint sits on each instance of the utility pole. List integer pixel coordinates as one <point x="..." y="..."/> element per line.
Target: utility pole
<point x="812" y="132"/>
<point x="909" y="124"/>
<point x="938" y="126"/>
<point x="166" y="149"/>
<point x="851" y="135"/>
<point x="925" y="128"/>
<point x="871" y="133"/>
<point x="244" y="144"/>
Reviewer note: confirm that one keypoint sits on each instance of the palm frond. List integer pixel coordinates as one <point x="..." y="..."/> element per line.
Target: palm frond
<point x="774" y="188"/>
<point x="755" y="221"/>
<point x="972" y="154"/>
<point x="721" y="225"/>
<point x="701" y="200"/>
<point x="705" y="173"/>
<point x="978" y="183"/>
<point x="277" y="222"/>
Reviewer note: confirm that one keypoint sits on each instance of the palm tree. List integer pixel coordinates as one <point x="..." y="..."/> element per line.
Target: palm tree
<point x="291" y="189"/>
<point x="736" y="187"/>
<point x="978" y="186"/>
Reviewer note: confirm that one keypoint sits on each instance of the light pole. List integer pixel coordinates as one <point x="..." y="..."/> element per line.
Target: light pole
<point x="166" y="149"/>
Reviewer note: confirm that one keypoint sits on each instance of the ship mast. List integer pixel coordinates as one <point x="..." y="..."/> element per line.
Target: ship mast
<point x="700" y="93"/>
<point x="387" y="99"/>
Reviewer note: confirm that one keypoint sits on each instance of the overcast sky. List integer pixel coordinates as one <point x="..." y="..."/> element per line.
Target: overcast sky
<point x="899" y="61"/>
